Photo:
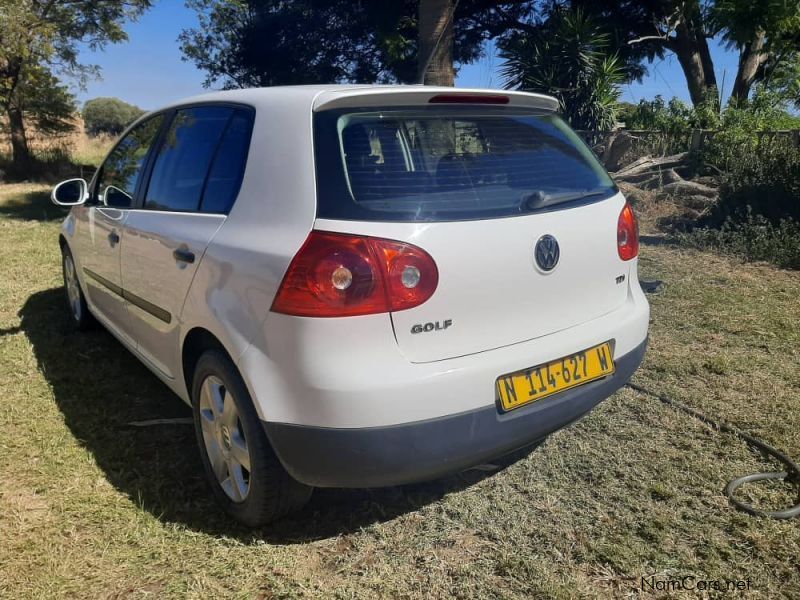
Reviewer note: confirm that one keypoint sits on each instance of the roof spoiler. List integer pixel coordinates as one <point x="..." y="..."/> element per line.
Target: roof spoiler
<point x="420" y="95"/>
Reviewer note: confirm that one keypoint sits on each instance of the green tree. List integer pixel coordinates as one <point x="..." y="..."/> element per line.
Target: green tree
<point x="766" y="34"/>
<point x="39" y="39"/>
<point x="242" y="43"/>
<point x="785" y="82"/>
<point x="569" y="60"/>
<point x="46" y="104"/>
<point x="108" y="115"/>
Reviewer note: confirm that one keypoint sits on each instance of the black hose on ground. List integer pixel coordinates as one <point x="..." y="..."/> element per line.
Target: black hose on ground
<point x="791" y="475"/>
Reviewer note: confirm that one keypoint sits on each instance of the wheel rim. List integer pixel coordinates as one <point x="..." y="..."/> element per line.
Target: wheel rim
<point x="73" y="289"/>
<point x="223" y="436"/>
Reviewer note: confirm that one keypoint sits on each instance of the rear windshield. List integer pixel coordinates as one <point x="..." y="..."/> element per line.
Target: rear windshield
<point x="450" y="163"/>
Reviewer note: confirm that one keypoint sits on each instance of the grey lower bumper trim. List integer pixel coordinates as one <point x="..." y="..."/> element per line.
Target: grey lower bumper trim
<point x="394" y="455"/>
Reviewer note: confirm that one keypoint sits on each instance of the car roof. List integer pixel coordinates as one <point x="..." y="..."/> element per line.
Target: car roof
<point x="318" y="97"/>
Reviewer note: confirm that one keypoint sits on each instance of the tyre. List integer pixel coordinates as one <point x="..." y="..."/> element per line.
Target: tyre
<point x="243" y="471"/>
<point x="81" y="318"/>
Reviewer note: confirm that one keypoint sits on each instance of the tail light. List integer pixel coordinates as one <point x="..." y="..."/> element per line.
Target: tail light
<point x="342" y="275"/>
<point x="627" y="234"/>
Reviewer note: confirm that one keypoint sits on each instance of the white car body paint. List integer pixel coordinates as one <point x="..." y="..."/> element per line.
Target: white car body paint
<point x="363" y="371"/>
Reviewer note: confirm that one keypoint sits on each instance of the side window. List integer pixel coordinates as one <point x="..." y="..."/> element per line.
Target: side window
<point x="180" y="169"/>
<point x="227" y="170"/>
<point x="120" y="172"/>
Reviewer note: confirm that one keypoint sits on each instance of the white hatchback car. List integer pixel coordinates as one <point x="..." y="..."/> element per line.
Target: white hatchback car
<point x="359" y="286"/>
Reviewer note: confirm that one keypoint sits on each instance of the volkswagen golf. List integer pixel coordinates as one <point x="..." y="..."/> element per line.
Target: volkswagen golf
<point x="357" y="286"/>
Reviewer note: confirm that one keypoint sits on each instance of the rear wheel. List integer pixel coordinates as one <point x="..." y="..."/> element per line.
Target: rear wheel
<point x="245" y="475"/>
<point x="82" y="319"/>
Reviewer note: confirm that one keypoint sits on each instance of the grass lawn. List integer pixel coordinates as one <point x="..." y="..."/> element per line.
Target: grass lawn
<point x="90" y="506"/>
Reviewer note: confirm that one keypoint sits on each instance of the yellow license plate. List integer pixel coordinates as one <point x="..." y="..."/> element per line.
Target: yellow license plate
<point x="523" y="387"/>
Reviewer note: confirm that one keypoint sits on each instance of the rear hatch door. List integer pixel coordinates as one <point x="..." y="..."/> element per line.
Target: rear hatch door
<point x="492" y="292"/>
<point x="478" y="186"/>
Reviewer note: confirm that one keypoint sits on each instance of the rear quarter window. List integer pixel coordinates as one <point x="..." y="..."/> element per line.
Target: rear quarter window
<point x="450" y="163"/>
<point x="227" y="170"/>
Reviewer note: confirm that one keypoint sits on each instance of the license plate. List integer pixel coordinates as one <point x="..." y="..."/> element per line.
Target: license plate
<point x="523" y="387"/>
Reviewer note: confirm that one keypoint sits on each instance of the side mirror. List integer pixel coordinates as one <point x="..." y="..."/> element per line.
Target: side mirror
<point x="71" y="192"/>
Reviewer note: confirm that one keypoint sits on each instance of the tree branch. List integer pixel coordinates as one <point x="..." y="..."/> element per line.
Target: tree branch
<point x="670" y="25"/>
<point x="508" y="22"/>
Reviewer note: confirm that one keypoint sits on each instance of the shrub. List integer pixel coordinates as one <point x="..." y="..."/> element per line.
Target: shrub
<point x="737" y="139"/>
<point x="752" y="238"/>
<point x="674" y="116"/>
<point x="108" y="115"/>
<point x="762" y="179"/>
<point x="757" y="215"/>
<point x="657" y="115"/>
<point x="673" y="120"/>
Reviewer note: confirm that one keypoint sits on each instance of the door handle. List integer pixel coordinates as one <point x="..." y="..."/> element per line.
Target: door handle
<point x="184" y="255"/>
<point x="113" y="238"/>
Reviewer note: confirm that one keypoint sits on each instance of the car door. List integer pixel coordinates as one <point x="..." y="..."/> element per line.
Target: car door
<point x="114" y="192"/>
<point x="195" y="175"/>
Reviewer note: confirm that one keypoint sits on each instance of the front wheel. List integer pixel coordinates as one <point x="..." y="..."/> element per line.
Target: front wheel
<point x="245" y="475"/>
<point x="82" y="319"/>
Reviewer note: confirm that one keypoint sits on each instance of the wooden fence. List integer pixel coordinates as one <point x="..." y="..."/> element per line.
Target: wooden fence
<point x="668" y="143"/>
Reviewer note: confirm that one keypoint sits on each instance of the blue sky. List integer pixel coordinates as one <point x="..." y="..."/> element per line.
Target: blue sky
<point x="664" y="77"/>
<point x="148" y="70"/>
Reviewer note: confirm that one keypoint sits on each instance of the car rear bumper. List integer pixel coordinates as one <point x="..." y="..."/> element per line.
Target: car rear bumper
<point x="423" y="450"/>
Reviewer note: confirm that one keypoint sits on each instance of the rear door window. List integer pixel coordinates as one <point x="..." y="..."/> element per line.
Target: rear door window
<point x="184" y="157"/>
<point x="450" y="163"/>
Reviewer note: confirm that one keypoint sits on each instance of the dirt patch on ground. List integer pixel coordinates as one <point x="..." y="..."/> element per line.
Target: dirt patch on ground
<point x="21" y="506"/>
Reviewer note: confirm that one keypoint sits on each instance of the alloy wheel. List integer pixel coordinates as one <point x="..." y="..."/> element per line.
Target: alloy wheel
<point x="224" y="439"/>
<point x="73" y="288"/>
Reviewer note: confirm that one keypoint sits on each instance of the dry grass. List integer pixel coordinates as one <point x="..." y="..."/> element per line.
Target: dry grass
<point x="43" y="145"/>
<point x="90" y="150"/>
<point x="92" y="508"/>
<point x="75" y="147"/>
<point x="652" y="212"/>
<point x="80" y="148"/>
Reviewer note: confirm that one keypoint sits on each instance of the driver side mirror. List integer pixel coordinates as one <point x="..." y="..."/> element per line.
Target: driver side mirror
<point x="71" y="192"/>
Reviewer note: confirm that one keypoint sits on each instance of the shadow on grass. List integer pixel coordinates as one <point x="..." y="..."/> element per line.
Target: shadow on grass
<point x="100" y="387"/>
<point x="659" y="240"/>
<point x="32" y="206"/>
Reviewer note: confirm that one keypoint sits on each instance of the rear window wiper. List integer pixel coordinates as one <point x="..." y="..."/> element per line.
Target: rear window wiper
<point x="540" y="199"/>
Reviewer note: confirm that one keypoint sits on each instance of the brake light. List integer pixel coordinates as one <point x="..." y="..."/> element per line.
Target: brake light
<point x="343" y="275"/>
<point x="627" y="234"/>
<point x="468" y="99"/>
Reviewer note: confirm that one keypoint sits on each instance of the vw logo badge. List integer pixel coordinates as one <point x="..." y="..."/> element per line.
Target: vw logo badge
<point x="547" y="253"/>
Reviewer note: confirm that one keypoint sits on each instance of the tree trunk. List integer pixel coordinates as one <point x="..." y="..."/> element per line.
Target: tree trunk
<point x="691" y="48"/>
<point x="694" y="73"/>
<point x="751" y="58"/>
<point x="708" y="63"/>
<point x="10" y="73"/>
<point x="435" y="44"/>
<point x="19" y="140"/>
